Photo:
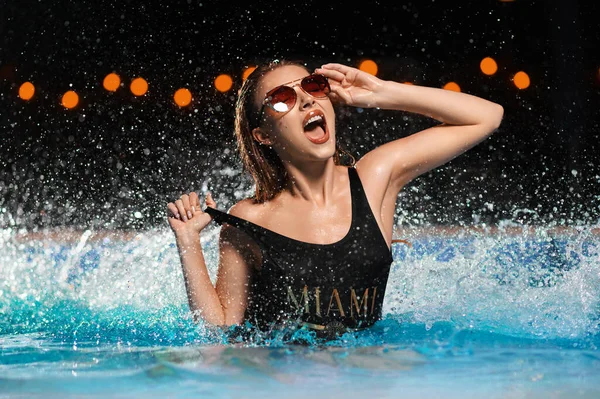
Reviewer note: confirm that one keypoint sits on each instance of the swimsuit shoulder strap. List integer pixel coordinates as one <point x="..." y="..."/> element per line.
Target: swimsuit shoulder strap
<point x="360" y="204"/>
<point x="253" y="230"/>
<point x="362" y="214"/>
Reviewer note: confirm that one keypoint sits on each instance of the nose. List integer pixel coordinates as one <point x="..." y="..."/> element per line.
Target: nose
<point x="305" y="99"/>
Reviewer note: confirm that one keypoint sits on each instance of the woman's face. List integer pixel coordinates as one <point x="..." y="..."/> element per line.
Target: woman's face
<point x="307" y="131"/>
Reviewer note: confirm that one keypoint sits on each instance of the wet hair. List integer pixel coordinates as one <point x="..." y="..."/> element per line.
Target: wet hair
<point x="261" y="161"/>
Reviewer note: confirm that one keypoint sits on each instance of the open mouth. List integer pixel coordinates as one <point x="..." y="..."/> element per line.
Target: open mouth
<point x="315" y="127"/>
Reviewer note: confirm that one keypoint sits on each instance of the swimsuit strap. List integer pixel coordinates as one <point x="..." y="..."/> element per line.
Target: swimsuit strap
<point x="258" y="233"/>
<point x="361" y="210"/>
<point x="357" y="194"/>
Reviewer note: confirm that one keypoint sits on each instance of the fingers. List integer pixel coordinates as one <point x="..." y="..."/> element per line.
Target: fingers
<point x="338" y="94"/>
<point x="210" y="201"/>
<point x="172" y="211"/>
<point x="333" y="74"/>
<point x="187" y="206"/>
<point x="344" y="69"/>
<point x="194" y="203"/>
<point x="334" y="97"/>
<point x="181" y="209"/>
<point x="184" y="208"/>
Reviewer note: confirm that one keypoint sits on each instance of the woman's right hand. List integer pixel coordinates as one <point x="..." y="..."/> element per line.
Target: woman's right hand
<point x="185" y="215"/>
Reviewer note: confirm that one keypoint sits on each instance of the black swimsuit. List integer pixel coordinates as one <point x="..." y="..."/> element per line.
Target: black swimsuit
<point x="329" y="288"/>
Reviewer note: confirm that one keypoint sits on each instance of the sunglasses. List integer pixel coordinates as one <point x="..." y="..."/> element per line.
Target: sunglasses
<point x="282" y="98"/>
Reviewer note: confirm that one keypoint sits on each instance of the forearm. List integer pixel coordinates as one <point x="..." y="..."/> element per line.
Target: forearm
<point x="202" y="295"/>
<point x="450" y="107"/>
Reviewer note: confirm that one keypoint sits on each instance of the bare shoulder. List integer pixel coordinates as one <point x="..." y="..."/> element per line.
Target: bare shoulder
<point x="247" y="209"/>
<point x="374" y="172"/>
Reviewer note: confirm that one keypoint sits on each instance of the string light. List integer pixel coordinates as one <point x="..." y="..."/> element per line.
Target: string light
<point x="369" y="66"/>
<point x="182" y="97"/>
<point x="453" y="86"/>
<point x="111" y="82"/>
<point x="26" y="91"/>
<point x="488" y="66"/>
<point x="139" y="86"/>
<point x="223" y="83"/>
<point x="70" y="99"/>
<point x="521" y="80"/>
<point x="247" y="72"/>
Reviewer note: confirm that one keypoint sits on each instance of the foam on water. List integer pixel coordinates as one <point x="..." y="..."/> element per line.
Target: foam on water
<point x="535" y="285"/>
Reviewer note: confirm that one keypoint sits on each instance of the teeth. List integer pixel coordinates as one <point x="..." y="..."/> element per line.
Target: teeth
<point x="313" y="119"/>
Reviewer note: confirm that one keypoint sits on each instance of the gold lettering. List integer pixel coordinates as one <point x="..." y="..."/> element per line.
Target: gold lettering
<point x="292" y="297"/>
<point x="318" y="298"/>
<point x="363" y="302"/>
<point x="373" y="299"/>
<point x="338" y="302"/>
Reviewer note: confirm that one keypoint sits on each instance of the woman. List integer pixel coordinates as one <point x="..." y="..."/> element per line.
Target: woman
<point x="311" y="250"/>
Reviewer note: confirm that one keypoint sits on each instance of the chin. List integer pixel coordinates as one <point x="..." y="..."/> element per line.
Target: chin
<point x="325" y="153"/>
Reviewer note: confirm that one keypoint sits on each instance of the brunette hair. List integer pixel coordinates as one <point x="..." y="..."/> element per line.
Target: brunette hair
<point x="261" y="161"/>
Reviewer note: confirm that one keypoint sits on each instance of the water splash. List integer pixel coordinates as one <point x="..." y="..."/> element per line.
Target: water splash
<point x="128" y="288"/>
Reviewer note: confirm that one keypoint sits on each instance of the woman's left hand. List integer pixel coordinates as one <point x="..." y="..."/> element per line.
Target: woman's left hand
<point x="351" y="86"/>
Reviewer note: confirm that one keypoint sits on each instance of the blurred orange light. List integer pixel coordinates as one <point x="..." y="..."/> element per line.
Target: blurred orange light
<point x="368" y="66"/>
<point x="26" y="91"/>
<point x="111" y="82"/>
<point x="521" y="80"/>
<point x="223" y="83"/>
<point x="139" y="86"/>
<point x="408" y="83"/>
<point x="488" y="66"/>
<point x="247" y="72"/>
<point x="452" y="86"/>
<point x="70" y="99"/>
<point x="183" y="97"/>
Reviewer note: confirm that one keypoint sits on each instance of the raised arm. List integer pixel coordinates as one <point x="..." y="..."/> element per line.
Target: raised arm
<point x="224" y="304"/>
<point x="466" y="121"/>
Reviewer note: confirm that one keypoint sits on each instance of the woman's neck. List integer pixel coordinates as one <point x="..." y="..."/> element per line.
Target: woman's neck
<point x="312" y="181"/>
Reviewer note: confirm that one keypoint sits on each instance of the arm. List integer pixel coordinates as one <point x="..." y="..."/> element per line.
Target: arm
<point x="224" y="304"/>
<point x="202" y="296"/>
<point x="466" y="121"/>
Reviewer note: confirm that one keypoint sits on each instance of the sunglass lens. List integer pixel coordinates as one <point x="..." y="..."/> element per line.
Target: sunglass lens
<point x="282" y="99"/>
<point x="316" y="85"/>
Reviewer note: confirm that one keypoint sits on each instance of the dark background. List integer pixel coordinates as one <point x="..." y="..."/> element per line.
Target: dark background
<point x="115" y="160"/>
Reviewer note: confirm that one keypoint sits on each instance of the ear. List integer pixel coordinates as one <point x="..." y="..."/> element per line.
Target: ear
<point x="261" y="136"/>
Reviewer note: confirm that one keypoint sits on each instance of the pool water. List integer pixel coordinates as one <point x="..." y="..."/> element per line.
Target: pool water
<point x="468" y="314"/>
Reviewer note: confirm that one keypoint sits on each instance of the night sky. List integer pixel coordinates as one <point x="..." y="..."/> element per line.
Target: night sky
<point x="116" y="159"/>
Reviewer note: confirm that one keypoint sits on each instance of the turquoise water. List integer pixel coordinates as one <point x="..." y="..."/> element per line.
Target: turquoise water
<point x="467" y="315"/>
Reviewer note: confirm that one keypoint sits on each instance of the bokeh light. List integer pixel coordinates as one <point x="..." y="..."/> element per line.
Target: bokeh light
<point x="452" y="86"/>
<point x="111" y="82"/>
<point x="70" y="99"/>
<point x="521" y="80"/>
<point x="223" y="83"/>
<point x="139" y="86"/>
<point x="182" y="97"/>
<point x="26" y="91"/>
<point x="488" y="66"/>
<point x="369" y="66"/>
<point x="247" y="72"/>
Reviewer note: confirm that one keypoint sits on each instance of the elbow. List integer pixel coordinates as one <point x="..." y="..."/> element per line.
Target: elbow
<point x="495" y="117"/>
